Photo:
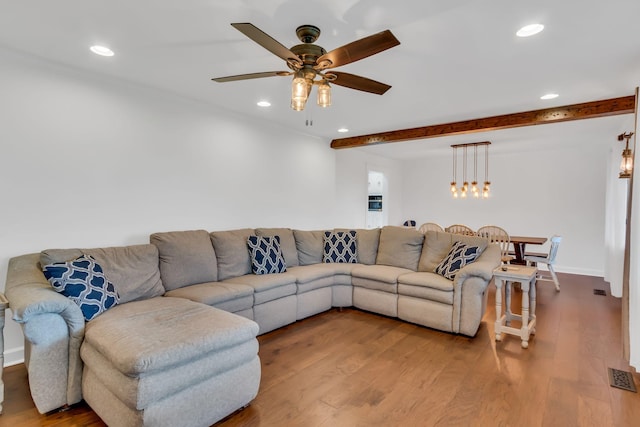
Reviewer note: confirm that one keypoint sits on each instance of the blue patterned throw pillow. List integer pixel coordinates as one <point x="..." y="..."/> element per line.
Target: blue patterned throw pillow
<point x="340" y="246"/>
<point x="266" y="255"/>
<point x="83" y="281"/>
<point x="459" y="255"/>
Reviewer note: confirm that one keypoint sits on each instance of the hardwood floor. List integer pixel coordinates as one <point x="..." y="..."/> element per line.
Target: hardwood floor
<point x="353" y="368"/>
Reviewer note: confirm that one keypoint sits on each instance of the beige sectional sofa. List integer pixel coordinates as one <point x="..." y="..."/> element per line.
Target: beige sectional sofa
<point x="180" y="348"/>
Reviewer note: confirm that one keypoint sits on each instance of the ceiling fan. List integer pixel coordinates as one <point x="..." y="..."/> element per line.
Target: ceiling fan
<point x="311" y="65"/>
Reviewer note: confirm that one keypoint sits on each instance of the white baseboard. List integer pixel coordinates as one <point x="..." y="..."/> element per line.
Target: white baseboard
<point x="582" y="271"/>
<point x="14" y="356"/>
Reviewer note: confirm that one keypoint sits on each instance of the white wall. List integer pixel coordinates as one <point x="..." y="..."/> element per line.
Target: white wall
<point x="537" y="192"/>
<point x="88" y="161"/>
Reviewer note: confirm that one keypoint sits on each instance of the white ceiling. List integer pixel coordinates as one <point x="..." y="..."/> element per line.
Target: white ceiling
<point x="458" y="59"/>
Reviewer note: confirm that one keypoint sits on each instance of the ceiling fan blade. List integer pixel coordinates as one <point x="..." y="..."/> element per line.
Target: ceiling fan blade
<point x="251" y="76"/>
<point x="359" y="83"/>
<point x="267" y="42"/>
<point x="358" y="50"/>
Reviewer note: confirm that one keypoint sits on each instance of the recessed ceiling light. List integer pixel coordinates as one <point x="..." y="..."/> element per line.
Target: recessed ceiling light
<point x="263" y="104"/>
<point x="549" y="96"/>
<point x="529" y="30"/>
<point x="343" y="130"/>
<point x="101" y="50"/>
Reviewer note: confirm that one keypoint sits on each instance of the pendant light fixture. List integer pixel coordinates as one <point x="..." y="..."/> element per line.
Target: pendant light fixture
<point x="454" y="188"/>
<point x="464" y="189"/>
<point x="487" y="184"/>
<point x="465" y="184"/>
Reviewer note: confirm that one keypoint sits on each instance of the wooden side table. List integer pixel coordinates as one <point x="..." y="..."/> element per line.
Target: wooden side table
<point x="504" y="277"/>
<point x="4" y="304"/>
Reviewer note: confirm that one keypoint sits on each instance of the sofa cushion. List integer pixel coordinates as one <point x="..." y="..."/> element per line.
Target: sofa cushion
<point x="133" y="270"/>
<point x="437" y="245"/>
<point x="266" y="255"/>
<point x="186" y="258"/>
<point x="268" y="287"/>
<point x="83" y="281"/>
<point x="287" y="243"/>
<point x="340" y="247"/>
<point x="427" y="286"/>
<point x="229" y="296"/>
<point x="400" y="247"/>
<point x="161" y="333"/>
<point x="309" y="245"/>
<point x="231" y="252"/>
<point x="459" y="255"/>
<point x="380" y="273"/>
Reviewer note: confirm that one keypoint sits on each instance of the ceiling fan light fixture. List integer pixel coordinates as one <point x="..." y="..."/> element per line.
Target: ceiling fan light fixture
<point x="324" y="94"/>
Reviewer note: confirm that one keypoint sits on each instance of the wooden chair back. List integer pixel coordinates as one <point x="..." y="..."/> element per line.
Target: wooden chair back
<point x="430" y="226"/>
<point x="460" y="229"/>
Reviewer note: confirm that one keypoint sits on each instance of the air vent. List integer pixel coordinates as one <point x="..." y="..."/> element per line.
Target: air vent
<point x="621" y="379"/>
<point x="599" y="292"/>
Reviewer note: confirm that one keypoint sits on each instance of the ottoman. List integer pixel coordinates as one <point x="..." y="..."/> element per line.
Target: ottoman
<point x="167" y="362"/>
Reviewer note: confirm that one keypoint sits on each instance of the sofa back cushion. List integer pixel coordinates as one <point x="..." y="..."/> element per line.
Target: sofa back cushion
<point x="437" y="245"/>
<point x="287" y="243"/>
<point x="309" y="245"/>
<point x="400" y="247"/>
<point x="367" y="242"/>
<point x="232" y="252"/>
<point x="186" y="258"/>
<point x="133" y="270"/>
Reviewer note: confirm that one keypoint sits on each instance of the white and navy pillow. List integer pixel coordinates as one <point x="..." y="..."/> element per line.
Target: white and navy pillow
<point x="83" y="281"/>
<point x="266" y="255"/>
<point x="340" y="246"/>
<point x="459" y="255"/>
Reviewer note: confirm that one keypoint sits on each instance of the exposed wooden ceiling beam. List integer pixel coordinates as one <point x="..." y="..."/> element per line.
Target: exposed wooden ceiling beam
<point x="586" y="110"/>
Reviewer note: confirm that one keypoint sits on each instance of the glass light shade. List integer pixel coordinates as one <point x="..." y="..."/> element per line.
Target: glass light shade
<point x="453" y="187"/>
<point x="486" y="189"/>
<point x="299" y="92"/>
<point x="463" y="193"/>
<point x="455" y="194"/>
<point x="626" y="165"/>
<point x="474" y="187"/>
<point x="324" y="94"/>
<point x="465" y="186"/>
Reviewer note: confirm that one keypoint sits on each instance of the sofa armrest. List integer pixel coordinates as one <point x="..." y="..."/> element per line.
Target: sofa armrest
<point x="53" y="327"/>
<point x="470" y="285"/>
<point x="30" y="294"/>
<point x="483" y="267"/>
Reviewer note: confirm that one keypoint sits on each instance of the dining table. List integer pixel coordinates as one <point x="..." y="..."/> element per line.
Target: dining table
<point x="519" y="245"/>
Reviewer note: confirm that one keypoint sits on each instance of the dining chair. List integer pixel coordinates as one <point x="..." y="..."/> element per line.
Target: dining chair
<point x="430" y="226"/>
<point x="460" y="229"/>
<point x="499" y="236"/>
<point x="549" y="260"/>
